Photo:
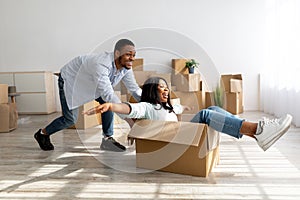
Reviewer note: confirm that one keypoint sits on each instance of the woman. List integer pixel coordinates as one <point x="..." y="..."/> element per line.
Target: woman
<point x="155" y="105"/>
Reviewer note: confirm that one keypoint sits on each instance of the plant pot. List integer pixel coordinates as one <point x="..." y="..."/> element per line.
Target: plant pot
<point x="191" y="70"/>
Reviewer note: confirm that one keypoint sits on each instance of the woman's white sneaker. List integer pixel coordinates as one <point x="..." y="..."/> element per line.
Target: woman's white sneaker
<point x="269" y="131"/>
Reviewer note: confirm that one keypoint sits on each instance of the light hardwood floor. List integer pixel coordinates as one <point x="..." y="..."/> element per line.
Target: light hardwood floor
<point x="77" y="169"/>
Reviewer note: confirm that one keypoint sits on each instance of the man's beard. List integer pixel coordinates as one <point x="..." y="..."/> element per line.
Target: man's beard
<point x="124" y="66"/>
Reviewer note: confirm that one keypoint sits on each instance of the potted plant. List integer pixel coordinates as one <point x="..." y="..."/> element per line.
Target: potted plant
<point x="191" y="64"/>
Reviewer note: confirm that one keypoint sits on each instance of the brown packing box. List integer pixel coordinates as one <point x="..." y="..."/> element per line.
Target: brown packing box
<point x="195" y="100"/>
<point x="234" y="102"/>
<point x="236" y="85"/>
<point x="178" y="66"/>
<point x="186" y="82"/>
<point x="8" y="117"/>
<point x="166" y="146"/>
<point x="233" y="87"/>
<point x="3" y="93"/>
<point x="209" y="99"/>
<point x="185" y="117"/>
<point x="85" y="121"/>
<point x="142" y="76"/>
<point x="227" y="83"/>
<point x="202" y="86"/>
<point x="138" y="64"/>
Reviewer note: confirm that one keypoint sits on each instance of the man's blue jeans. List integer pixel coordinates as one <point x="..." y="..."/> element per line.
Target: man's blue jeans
<point x="220" y="120"/>
<point x="69" y="117"/>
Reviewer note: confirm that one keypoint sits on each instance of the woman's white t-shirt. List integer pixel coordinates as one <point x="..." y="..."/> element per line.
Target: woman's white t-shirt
<point x="145" y="110"/>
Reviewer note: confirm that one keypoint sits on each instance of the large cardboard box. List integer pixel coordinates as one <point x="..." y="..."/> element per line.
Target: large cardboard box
<point x="3" y="93"/>
<point x="178" y="147"/>
<point x="186" y="82"/>
<point x="8" y="117"/>
<point x="178" y="66"/>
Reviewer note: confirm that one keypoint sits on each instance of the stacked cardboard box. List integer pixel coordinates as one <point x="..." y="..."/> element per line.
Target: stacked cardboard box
<point x="8" y="111"/>
<point x="233" y="88"/>
<point x="178" y="66"/>
<point x="189" y="87"/>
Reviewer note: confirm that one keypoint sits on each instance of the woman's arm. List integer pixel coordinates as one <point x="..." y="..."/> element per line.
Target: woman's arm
<point x="121" y="108"/>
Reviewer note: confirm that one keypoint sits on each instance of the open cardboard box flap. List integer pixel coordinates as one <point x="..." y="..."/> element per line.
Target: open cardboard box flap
<point x="185" y="133"/>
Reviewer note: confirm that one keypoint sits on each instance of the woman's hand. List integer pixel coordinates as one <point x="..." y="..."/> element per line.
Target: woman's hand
<point x="98" y="109"/>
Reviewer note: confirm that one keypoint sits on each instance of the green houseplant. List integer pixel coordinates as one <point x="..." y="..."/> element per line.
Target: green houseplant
<point x="219" y="96"/>
<point x="191" y="64"/>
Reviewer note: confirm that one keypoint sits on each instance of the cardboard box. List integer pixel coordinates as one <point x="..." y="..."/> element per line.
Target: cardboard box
<point x="209" y="99"/>
<point x="202" y="86"/>
<point x="85" y="121"/>
<point x="234" y="102"/>
<point x="142" y="76"/>
<point x="196" y="100"/>
<point x="233" y="87"/>
<point x="186" y="82"/>
<point x="185" y="117"/>
<point x="138" y="64"/>
<point x="166" y="146"/>
<point x="226" y="82"/>
<point x="3" y="93"/>
<point x="178" y="66"/>
<point x="236" y="85"/>
<point x="8" y="117"/>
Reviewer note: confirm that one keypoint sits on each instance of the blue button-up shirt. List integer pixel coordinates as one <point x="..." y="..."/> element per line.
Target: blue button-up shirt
<point x="92" y="76"/>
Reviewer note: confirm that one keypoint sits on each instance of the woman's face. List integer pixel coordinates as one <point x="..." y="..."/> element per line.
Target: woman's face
<point x="163" y="90"/>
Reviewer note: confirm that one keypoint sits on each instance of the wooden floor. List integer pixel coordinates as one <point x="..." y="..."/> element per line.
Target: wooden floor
<point x="77" y="169"/>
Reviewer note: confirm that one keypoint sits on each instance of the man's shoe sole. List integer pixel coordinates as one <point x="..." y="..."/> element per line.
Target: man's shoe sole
<point x="114" y="149"/>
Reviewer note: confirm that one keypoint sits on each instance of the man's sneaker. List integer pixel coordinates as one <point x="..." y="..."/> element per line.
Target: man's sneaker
<point x="269" y="131"/>
<point x="110" y="144"/>
<point x="44" y="141"/>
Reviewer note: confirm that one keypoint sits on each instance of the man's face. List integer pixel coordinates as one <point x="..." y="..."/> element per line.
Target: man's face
<point x="163" y="90"/>
<point x="126" y="56"/>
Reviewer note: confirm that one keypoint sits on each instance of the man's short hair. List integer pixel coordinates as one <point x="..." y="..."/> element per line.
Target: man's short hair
<point x="121" y="43"/>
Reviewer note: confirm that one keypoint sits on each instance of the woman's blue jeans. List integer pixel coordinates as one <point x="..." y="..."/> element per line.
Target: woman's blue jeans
<point x="220" y="120"/>
<point x="69" y="117"/>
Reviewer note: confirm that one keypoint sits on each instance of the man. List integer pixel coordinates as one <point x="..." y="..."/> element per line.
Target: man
<point x="90" y="77"/>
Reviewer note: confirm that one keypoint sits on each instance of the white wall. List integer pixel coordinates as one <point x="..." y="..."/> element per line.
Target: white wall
<point x="45" y="34"/>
